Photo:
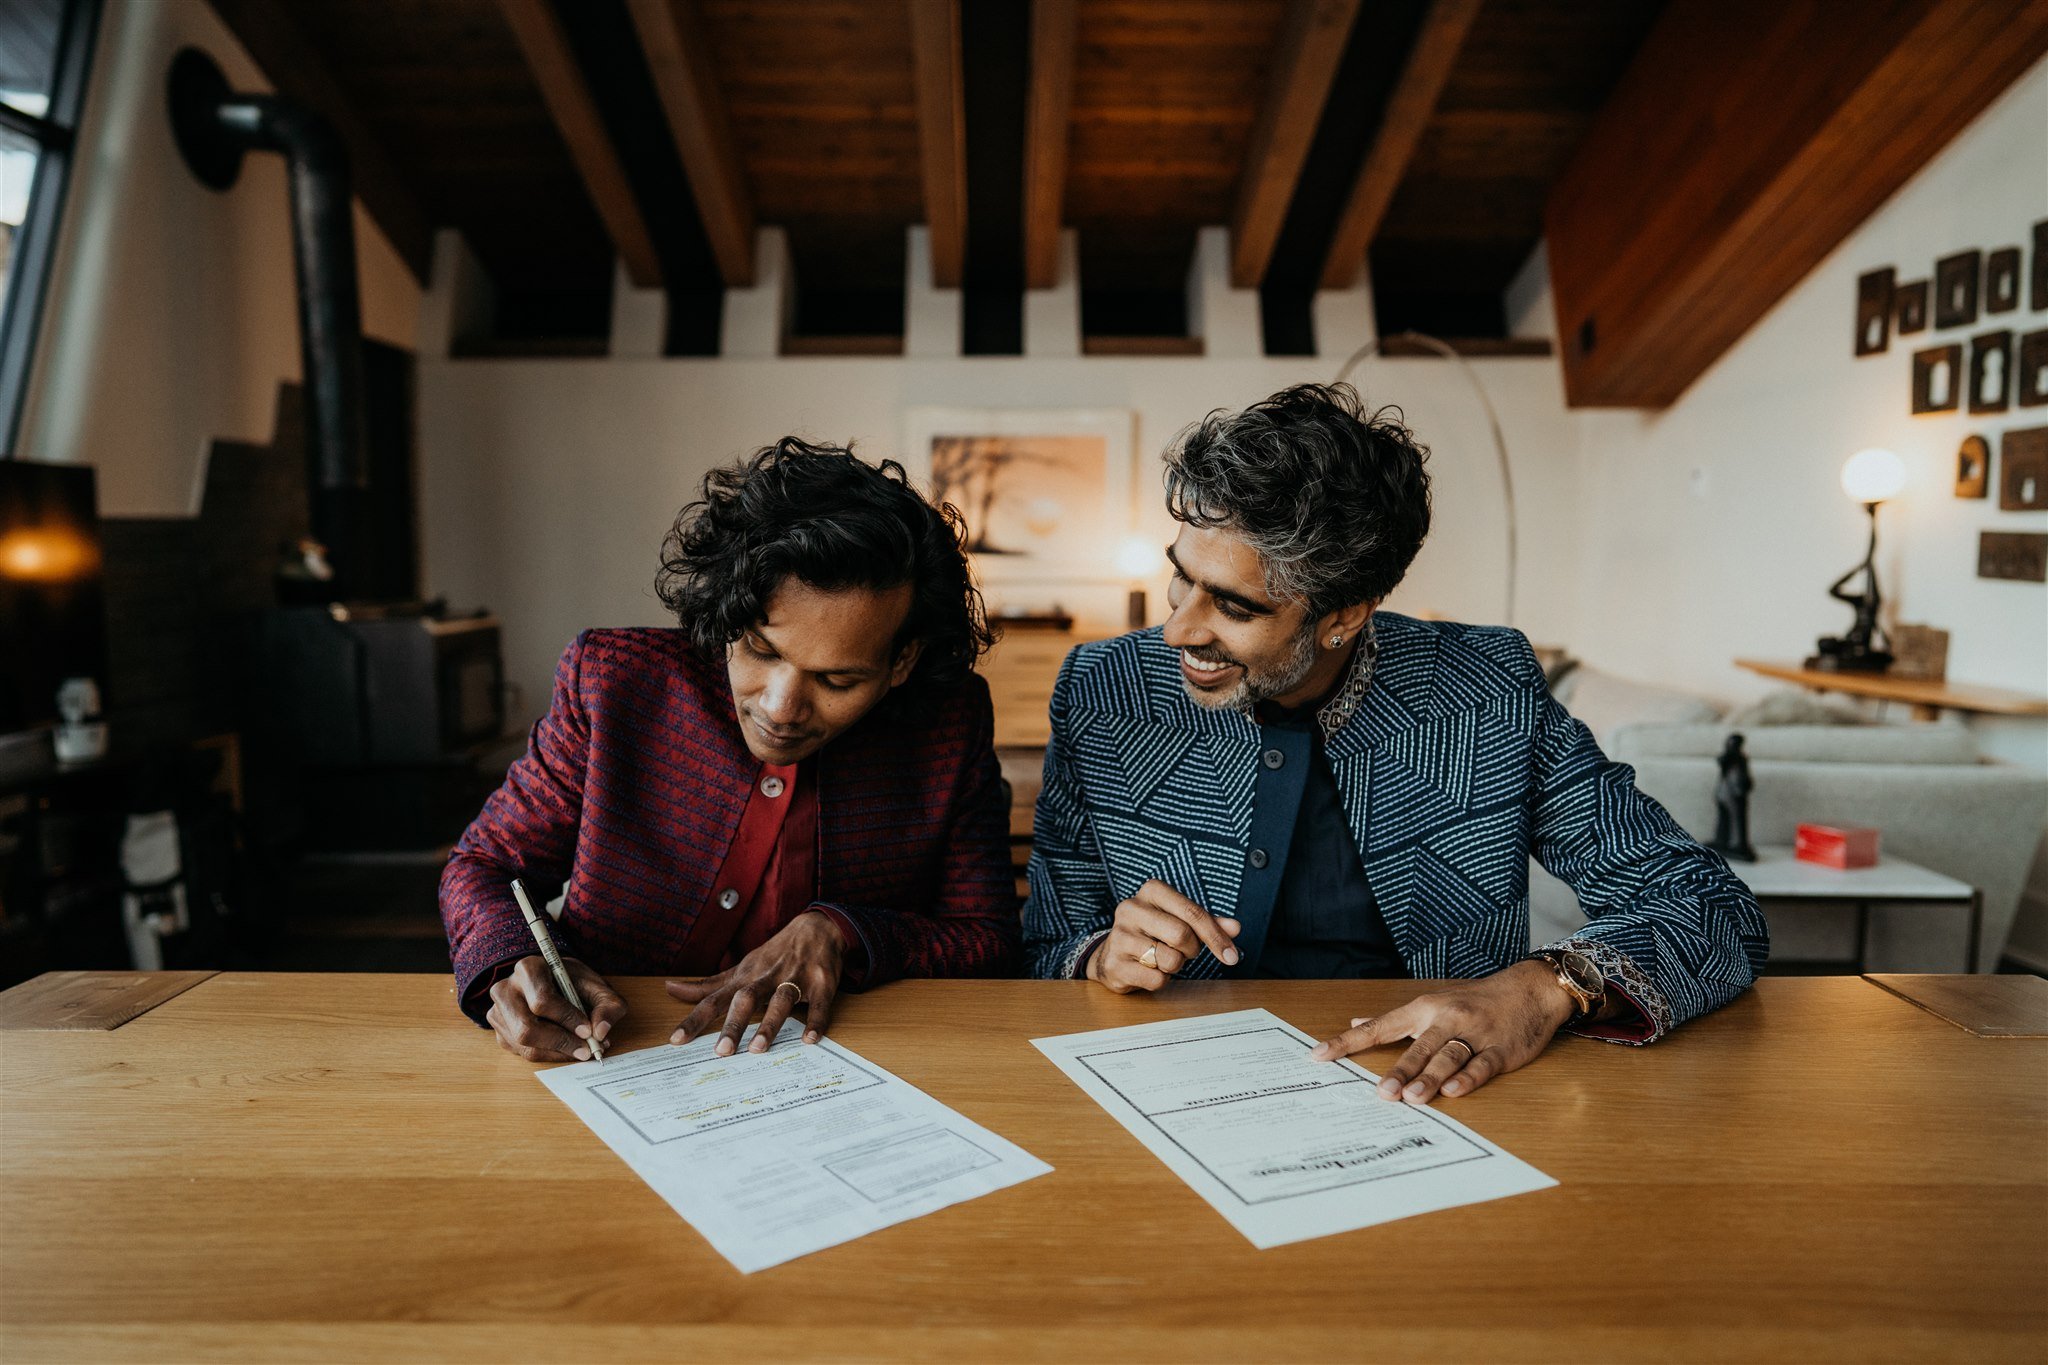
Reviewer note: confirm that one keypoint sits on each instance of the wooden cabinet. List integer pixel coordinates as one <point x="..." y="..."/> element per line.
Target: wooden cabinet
<point x="1020" y="671"/>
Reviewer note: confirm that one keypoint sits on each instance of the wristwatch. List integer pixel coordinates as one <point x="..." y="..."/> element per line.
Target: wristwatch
<point x="1579" y="978"/>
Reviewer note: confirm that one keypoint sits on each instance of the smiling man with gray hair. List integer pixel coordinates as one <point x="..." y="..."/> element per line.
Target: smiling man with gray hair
<point x="1285" y="780"/>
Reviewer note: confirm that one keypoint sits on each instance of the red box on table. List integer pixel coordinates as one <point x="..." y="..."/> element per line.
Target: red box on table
<point x="1844" y="846"/>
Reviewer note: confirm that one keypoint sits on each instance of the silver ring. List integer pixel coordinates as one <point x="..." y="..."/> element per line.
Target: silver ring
<point x="798" y="989"/>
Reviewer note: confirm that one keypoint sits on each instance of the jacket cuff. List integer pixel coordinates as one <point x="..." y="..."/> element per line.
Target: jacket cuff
<point x="1648" y="1014"/>
<point x="853" y="966"/>
<point x="484" y="964"/>
<point x="1078" y="961"/>
<point x="1074" y="962"/>
<point x="476" y="1000"/>
<point x="875" y="967"/>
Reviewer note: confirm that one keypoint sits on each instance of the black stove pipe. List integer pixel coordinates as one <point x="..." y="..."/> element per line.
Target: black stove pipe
<point x="214" y="126"/>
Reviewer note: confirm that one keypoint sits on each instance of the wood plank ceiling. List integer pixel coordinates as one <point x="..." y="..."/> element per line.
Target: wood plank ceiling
<point x="449" y="99"/>
<point x="1419" y="139"/>
<point x="1527" y="82"/>
<point x="1179" y="114"/>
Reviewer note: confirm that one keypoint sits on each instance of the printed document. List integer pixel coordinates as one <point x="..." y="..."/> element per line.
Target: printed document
<point x="1285" y="1148"/>
<point x="774" y="1155"/>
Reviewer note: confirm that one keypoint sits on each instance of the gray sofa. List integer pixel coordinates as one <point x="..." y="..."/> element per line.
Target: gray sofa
<point x="1925" y="786"/>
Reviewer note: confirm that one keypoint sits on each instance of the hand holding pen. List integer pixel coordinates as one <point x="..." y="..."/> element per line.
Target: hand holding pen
<point x="540" y="1015"/>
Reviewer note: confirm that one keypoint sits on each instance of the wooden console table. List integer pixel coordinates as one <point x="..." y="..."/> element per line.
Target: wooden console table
<point x="1927" y="697"/>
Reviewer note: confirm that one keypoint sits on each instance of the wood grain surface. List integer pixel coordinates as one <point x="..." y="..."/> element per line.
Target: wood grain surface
<point x="281" y="1167"/>
<point x="92" y="1001"/>
<point x="1940" y="695"/>
<point x="1989" y="1006"/>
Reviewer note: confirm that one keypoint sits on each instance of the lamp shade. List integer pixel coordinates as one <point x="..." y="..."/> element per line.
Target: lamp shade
<point x="1873" y="475"/>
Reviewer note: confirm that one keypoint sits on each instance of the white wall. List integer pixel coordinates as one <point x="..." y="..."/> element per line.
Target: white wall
<point x="1684" y="571"/>
<point x="548" y="484"/>
<point x="171" y="317"/>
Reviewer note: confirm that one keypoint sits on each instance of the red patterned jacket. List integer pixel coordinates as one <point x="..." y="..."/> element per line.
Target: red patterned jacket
<point x="632" y="788"/>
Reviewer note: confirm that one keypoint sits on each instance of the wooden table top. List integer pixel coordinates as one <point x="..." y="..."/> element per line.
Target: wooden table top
<point x="286" y="1167"/>
<point x="1921" y="692"/>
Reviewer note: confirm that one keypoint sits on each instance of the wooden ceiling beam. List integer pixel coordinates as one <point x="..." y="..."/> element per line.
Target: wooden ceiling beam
<point x="1410" y="106"/>
<point x="942" y="134"/>
<point x="1747" y="140"/>
<point x="1045" y="138"/>
<point x="679" y="58"/>
<point x="1304" y="66"/>
<point x="294" y="68"/>
<point x="545" y="45"/>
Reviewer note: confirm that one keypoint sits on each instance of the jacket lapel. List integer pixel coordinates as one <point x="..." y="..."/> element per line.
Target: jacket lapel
<point x="1386" y="780"/>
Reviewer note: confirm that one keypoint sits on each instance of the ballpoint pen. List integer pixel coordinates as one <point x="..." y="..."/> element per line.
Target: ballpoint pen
<point x="538" y="923"/>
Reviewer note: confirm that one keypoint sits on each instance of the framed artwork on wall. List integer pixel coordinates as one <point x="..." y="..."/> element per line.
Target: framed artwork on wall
<point x="1973" y="467"/>
<point x="1991" y="372"/>
<point x="1955" y="288"/>
<point x="2030" y="371"/>
<point x="2037" y="291"/>
<point x="2020" y="556"/>
<point x="1909" y="308"/>
<point x="2002" y="280"/>
<point x="1874" y="310"/>
<point x="2023" y="470"/>
<point x="1045" y="492"/>
<point x="1937" y="378"/>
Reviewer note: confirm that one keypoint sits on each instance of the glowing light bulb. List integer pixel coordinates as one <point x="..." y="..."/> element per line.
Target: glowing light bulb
<point x="1873" y="475"/>
<point x="1137" y="557"/>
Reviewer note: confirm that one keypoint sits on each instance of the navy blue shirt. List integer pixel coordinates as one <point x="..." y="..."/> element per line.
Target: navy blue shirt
<point x="1326" y="921"/>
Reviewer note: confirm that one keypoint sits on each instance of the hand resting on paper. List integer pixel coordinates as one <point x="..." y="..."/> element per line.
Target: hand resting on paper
<point x="808" y="951"/>
<point x="533" y="1020"/>
<point x="1504" y="1021"/>
<point x="1163" y="922"/>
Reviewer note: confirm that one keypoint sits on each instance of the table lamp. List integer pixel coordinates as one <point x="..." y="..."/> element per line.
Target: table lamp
<point x="1138" y="560"/>
<point x="1869" y="477"/>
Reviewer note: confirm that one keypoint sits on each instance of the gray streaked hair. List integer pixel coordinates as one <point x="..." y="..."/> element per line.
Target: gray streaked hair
<point x="1334" y="500"/>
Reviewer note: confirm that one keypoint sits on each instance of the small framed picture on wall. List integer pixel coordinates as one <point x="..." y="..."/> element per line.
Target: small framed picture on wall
<point x="1874" y="310"/>
<point x="2037" y="289"/>
<point x="1955" y="288"/>
<point x="2002" y="280"/>
<point x="1973" y="467"/>
<point x="1937" y="378"/>
<point x="2030" y="372"/>
<point x="1909" y="308"/>
<point x="1991" y="372"/>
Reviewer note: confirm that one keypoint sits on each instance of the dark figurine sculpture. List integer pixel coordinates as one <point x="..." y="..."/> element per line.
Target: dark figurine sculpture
<point x="1731" y="802"/>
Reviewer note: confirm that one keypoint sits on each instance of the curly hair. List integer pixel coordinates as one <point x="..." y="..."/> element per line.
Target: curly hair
<point x="1335" y="500"/>
<point x="821" y="515"/>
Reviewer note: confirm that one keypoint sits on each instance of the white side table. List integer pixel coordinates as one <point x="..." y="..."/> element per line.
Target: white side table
<point x="1783" y="882"/>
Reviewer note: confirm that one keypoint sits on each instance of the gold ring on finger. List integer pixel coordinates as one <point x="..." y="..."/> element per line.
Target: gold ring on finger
<point x="798" y="989"/>
<point x="1149" y="958"/>
<point x="1470" y="1051"/>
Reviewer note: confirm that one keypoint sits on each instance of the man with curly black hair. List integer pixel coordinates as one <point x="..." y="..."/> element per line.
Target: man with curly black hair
<point x="793" y="792"/>
<point x="1286" y="780"/>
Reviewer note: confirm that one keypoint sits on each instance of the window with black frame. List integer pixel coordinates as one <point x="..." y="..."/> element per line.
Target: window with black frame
<point x="45" y="53"/>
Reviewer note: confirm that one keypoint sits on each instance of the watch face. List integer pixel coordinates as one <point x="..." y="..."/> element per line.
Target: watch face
<point x="1583" y="973"/>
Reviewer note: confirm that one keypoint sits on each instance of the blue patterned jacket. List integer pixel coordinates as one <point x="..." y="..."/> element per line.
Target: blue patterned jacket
<point x="1454" y="765"/>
